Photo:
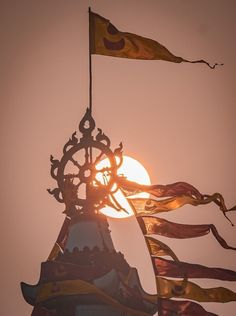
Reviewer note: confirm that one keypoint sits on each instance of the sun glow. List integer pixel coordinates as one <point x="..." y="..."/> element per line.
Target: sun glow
<point x="133" y="170"/>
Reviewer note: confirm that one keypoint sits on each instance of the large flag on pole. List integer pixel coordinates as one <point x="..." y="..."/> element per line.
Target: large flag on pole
<point x="106" y="39"/>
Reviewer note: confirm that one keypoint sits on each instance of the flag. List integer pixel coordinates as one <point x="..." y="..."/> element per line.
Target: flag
<point x="174" y="269"/>
<point x="181" y="193"/>
<point x="160" y="190"/>
<point x="167" y="307"/>
<point x="158" y="248"/>
<point x="159" y="226"/>
<point x="106" y="39"/>
<point x="144" y="206"/>
<point x="183" y="288"/>
<point x="172" y="288"/>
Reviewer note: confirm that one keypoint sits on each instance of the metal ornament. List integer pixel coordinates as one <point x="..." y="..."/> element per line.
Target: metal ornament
<point x="77" y="173"/>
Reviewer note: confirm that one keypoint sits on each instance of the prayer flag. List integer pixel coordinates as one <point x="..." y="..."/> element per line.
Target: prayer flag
<point x="106" y="39"/>
<point x="154" y="225"/>
<point x="181" y="192"/>
<point x="158" y="248"/>
<point x="172" y="288"/>
<point x="174" y="269"/>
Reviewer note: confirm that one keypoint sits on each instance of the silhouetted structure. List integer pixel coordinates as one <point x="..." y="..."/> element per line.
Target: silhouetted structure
<point x="84" y="275"/>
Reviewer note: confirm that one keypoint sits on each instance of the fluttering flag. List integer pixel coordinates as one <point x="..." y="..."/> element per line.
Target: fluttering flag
<point x="177" y="194"/>
<point x="106" y="39"/>
<point x="184" y="289"/>
<point x="167" y="307"/>
<point x="167" y="198"/>
<point x="158" y="248"/>
<point x="174" y="269"/>
<point x="159" y="226"/>
<point x="168" y="289"/>
<point x="145" y="206"/>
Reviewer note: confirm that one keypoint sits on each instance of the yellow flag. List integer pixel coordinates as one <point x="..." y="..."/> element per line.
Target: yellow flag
<point x="106" y="39"/>
<point x="158" y="248"/>
<point x="192" y="291"/>
<point x="145" y="206"/>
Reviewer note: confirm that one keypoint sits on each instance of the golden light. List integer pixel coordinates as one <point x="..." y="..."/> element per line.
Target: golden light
<point x="133" y="170"/>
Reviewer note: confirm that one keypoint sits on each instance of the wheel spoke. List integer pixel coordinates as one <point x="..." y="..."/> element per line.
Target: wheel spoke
<point x="71" y="176"/>
<point x="75" y="162"/>
<point x="86" y="156"/>
<point x="108" y="169"/>
<point x="77" y="185"/>
<point x="91" y="154"/>
<point x="98" y="158"/>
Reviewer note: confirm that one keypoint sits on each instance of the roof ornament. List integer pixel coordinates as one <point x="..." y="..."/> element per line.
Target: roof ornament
<point x="76" y="173"/>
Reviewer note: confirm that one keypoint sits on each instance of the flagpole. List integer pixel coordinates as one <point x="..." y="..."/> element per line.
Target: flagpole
<point x="90" y="65"/>
<point x="90" y="79"/>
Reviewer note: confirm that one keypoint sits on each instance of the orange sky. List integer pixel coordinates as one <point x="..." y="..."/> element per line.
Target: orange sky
<point x="177" y="119"/>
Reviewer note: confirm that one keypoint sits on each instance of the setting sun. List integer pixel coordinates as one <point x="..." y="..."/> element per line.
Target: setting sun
<point x="133" y="170"/>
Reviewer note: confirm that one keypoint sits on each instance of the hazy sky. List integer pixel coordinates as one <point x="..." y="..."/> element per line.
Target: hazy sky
<point x="176" y="119"/>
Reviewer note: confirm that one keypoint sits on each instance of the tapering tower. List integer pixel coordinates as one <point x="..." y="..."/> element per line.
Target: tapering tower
<point x="84" y="274"/>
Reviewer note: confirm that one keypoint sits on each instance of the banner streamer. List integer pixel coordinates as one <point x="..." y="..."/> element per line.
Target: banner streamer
<point x="106" y="39"/>
<point x="153" y="225"/>
<point x="173" y="269"/>
<point x="194" y="292"/>
<point x="181" y="193"/>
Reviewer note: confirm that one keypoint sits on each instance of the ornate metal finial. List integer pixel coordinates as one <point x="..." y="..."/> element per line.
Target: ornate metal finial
<point x="78" y="184"/>
<point x="87" y="124"/>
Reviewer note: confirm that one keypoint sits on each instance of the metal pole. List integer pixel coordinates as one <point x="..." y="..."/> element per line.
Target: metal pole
<point x="90" y="64"/>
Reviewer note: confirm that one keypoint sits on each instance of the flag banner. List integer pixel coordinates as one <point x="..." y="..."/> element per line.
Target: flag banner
<point x="174" y="190"/>
<point x="158" y="248"/>
<point x="59" y="289"/>
<point x="160" y="190"/>
<point x="173" y="288"/>
<point x="106" y="39"/>
<point x="174" y="269"/>
<point x="153" y="225"/>
<point x="167" y="307"/>
<point x="144" y="206"/>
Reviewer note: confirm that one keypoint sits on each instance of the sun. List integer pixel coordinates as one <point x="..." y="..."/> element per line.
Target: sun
<point x="133" y="170"/>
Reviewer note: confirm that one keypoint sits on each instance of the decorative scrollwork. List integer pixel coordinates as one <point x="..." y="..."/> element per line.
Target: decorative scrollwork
<point x="79" y="186"/>
<point x="71" y="142"/>
<point x="56" y="193"/>
<point x="54" y="166"/>
<point x="101" y="137"/>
